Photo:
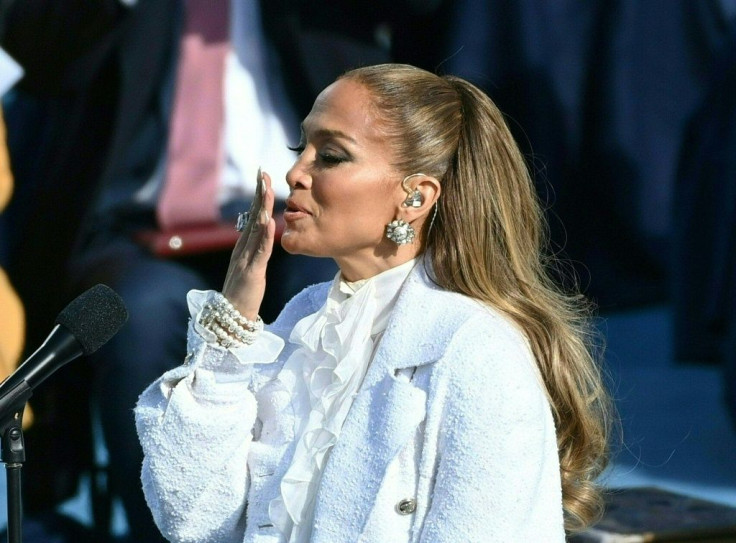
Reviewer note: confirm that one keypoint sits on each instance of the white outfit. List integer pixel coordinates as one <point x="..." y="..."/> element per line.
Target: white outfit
<point x="322" y="377"/>
<point x="449" y="437"/>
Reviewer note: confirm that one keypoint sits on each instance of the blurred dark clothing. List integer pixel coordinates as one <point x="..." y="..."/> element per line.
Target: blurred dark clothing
<point x="55" y="527"/>
<point x="94" y="72"/>
<point x="93" y="77"/>
<point x="598" y="94"/>
<point x="704" y="256"/>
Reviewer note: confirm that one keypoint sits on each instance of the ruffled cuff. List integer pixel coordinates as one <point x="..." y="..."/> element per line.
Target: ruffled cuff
<point x="229" y="361"/>
<point x="214" y="371"/>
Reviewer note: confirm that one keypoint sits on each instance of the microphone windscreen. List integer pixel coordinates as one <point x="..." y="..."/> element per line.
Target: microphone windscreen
<point x="94" y="317"/>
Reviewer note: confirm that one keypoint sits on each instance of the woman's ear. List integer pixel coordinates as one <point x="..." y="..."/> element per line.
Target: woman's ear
<point x="422" y="192"/>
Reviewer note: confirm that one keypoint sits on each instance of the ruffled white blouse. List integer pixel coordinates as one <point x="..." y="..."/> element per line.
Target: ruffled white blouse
<point x="323" y="375"/>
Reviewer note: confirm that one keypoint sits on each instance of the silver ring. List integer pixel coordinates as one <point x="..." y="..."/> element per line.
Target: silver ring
<point x="242" y="221"/>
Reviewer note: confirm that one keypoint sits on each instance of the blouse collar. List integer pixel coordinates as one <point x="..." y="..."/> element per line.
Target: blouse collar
<point x="383" y="288"/>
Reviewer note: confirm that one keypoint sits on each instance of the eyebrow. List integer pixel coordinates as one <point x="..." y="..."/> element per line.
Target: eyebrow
<point x="326" y="132"/>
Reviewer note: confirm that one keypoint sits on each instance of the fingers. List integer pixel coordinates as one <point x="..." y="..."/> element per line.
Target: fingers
<point x="254" y="212"/>
<point x="245" y="284"/>
<point x="260" y="241"/>
<point x="262" y="216"/>
<point x="260" y="190"/>
<point x="246" y="277"/>
<point x="263" y="184"/>
<point x="257" y="203"/>
<point x="267" y="192"/>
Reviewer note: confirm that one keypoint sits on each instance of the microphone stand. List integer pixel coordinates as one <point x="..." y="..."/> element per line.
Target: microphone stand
<point x="12" y="405"/>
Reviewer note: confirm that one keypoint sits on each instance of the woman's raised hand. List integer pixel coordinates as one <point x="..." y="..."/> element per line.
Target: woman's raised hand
<point x="245" y="283"/>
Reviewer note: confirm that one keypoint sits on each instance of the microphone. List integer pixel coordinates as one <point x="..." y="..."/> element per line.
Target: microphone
<point x="82" y="327"/>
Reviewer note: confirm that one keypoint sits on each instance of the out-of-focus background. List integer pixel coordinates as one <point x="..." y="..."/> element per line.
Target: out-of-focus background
<point x="625" y="109"/>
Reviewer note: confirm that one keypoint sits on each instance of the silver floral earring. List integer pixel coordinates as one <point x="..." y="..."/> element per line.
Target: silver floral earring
<point x="400" y="232"/>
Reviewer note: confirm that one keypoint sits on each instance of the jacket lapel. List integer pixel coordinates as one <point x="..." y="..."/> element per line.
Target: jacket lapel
<point x="384" y="415"/>
<point x="382" y="418"/>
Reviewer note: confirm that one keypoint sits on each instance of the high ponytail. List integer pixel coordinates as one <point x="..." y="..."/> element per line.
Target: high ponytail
<point x="488" y="242"/>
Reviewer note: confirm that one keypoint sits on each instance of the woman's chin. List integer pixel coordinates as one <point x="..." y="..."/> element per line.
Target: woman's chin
<point x="293" y="245"/>
<point x="288" y="245"/>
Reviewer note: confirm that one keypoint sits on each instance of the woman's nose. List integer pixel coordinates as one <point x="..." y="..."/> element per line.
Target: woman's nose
<point x="298" y="176"/>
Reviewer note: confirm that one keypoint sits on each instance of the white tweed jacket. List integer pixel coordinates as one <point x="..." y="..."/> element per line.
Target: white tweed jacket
<point x="450" y="437"/>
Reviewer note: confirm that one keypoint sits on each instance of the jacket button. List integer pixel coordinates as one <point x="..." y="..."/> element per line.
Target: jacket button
<point x="406" y="506"/>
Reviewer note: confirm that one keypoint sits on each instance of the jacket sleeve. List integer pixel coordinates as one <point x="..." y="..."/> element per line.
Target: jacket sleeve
<point x="195" y="424"/>
<point x="497" y="473"/>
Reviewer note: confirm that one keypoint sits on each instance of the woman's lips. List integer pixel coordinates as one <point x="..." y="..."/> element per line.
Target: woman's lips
<point x="294" y="212"/>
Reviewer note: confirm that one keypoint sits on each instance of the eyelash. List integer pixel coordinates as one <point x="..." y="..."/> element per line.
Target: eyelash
<point x="327" y="158"/>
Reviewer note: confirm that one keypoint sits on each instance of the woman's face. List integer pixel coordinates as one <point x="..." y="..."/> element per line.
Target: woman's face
<point x="343" y="188"/>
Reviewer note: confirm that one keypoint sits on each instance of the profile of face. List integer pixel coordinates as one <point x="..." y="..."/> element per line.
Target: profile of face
<point x="344" y="189"/>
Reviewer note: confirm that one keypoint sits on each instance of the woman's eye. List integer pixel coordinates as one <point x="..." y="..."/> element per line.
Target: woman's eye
<point x="329" y="158"/>
<point x="299" y="149"/>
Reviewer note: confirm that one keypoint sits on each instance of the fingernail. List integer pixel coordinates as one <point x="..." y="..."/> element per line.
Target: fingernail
<point x="264" y="216"/>
<point x="263" y="185"/>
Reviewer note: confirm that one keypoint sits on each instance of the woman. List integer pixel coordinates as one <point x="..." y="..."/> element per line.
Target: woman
<point x="439" y="389"/>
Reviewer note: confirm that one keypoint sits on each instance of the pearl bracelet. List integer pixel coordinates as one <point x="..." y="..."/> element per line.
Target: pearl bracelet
<point x="229" y="326"/>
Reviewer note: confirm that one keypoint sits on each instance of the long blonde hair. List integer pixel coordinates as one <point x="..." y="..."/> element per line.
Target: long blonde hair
<point x="489" y="242"/>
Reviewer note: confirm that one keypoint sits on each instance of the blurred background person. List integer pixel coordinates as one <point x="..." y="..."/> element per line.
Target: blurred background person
<point x="126" y="110"/>
<point x="12" y="320"/>
<point x="599" y="94"/>
<point x="704" y="247"/>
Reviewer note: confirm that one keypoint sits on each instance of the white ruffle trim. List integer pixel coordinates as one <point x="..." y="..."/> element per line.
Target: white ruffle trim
<point x="323" y="376"/>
